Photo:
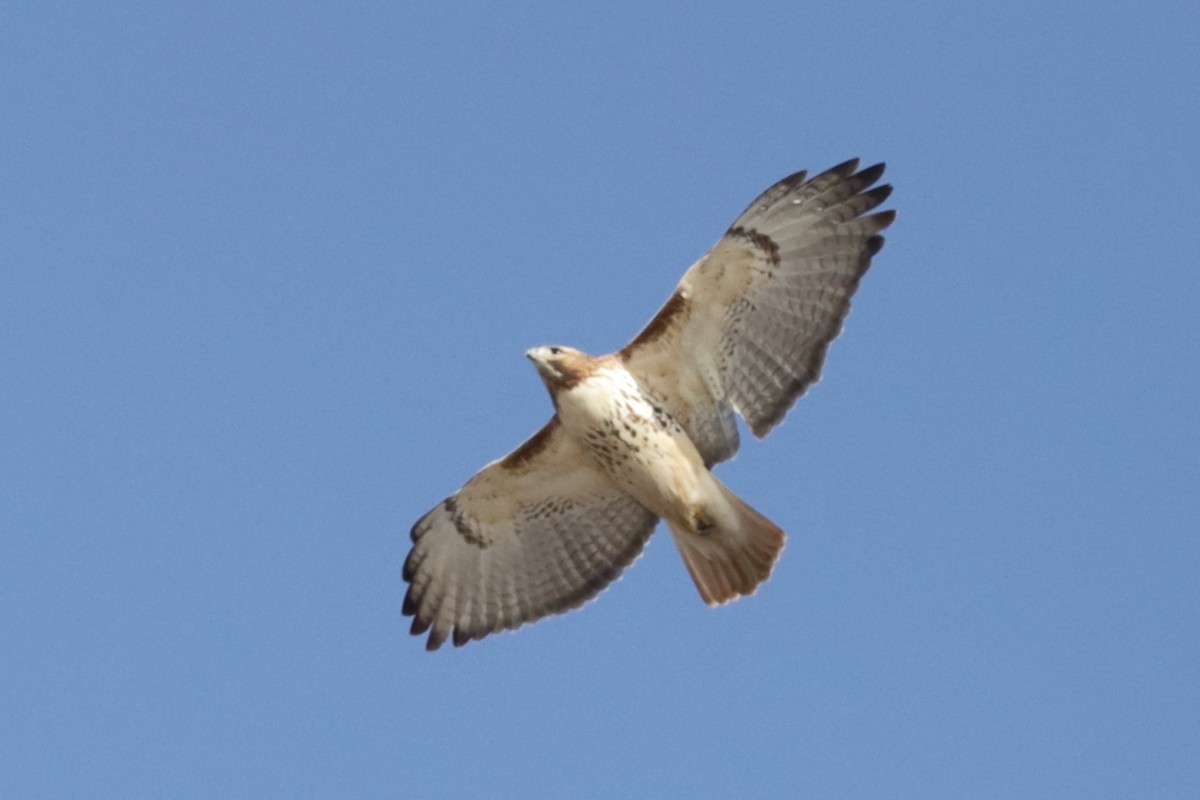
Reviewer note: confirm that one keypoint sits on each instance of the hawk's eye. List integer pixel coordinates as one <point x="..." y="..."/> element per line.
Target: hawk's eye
<point x="556" y="351"/>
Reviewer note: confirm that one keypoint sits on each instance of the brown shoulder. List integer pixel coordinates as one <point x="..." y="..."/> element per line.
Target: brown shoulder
<point x="532" y="447"/>
<point x="675" y="308"/>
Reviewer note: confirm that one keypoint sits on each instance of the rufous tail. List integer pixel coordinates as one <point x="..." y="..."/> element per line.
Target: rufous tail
<point x="733" y="556"/>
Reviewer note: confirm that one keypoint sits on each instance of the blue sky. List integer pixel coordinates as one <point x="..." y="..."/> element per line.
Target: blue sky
<point x="266" y="278"/>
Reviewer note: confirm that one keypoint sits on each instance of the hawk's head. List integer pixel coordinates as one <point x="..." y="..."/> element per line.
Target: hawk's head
<point x="560" y="367"/>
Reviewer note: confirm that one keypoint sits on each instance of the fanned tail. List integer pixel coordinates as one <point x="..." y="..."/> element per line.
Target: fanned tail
<point x="734" y="556"/>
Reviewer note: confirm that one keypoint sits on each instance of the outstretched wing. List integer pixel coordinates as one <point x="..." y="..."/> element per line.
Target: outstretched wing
<point x="748" y="325"/>
<point x="537" y="532"/>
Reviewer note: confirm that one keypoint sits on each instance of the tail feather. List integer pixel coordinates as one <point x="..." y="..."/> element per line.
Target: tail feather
<point x="732" y="558"/>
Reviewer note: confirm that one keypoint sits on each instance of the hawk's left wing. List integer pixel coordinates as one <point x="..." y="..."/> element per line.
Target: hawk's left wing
<point x="748" y="326"/>
<point x="537" y="532"/>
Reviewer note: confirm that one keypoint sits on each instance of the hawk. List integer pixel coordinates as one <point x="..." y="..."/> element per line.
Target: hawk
<point x="636" y="433"/>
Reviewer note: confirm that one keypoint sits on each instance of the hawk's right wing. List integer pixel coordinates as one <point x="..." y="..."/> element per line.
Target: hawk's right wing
<point x="537" y="532"/>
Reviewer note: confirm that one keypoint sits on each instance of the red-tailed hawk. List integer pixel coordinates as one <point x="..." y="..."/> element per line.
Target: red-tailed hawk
<point x="635" y="433"/>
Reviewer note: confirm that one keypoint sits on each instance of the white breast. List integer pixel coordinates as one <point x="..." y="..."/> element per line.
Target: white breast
<point x="637" y="443"/>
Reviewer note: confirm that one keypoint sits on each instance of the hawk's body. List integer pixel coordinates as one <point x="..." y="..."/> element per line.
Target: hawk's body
<point x="628" y="433"/>
<point x="728" y="548"/>
<point x="636" y="432"/>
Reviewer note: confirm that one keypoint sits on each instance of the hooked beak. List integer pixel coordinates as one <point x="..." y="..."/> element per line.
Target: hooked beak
<point x="540" y="357"/>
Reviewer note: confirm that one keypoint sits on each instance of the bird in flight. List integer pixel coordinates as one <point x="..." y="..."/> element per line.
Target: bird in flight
<point x="636" y="433"/>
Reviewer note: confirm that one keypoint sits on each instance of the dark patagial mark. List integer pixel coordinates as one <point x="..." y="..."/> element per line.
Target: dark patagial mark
<point x="758" y="239"/>
<point x="531" y="447"/>
<point x="676" y="306"/>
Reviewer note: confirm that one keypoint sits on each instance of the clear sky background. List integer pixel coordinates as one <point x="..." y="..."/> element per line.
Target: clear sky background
<point x="266" y="278"/>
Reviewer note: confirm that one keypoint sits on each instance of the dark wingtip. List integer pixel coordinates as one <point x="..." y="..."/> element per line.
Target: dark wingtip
<point x="884" y="218"/>
<point x="436" y="637"/>
<point x="871" y="174"/>
<point x="413" y="533"/>
<point x="843" y="169"/>
<point x="409" y="570"/>
<point x="874" y="245"/>
<point x="795" y="179"/>
<point x="410" y="606"/>
<point x="878" y="194"/>
<point x="419" y="625"/>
